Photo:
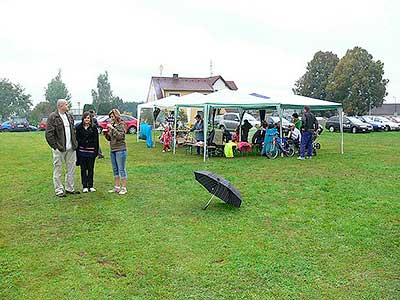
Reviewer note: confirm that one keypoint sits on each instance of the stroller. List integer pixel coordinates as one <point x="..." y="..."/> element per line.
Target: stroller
<point x="315" y="145"/>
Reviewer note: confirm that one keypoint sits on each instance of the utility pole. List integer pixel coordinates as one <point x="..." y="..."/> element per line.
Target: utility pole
<point x="161" y="69"/>
<point x="211" y="68"/>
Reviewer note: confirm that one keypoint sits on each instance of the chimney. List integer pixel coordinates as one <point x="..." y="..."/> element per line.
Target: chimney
<point x="175" y="76"/>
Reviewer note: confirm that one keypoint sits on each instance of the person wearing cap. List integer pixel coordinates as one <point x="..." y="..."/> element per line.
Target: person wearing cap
<point x="296" y="120"/>
<point x="295" y="136"/>
<point x="115" y="134"/>
<point x="309" y="125"/>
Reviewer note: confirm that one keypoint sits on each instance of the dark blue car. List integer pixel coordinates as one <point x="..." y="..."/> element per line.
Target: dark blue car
<point x="376" y="126"/>
<point x="16" y="125"/>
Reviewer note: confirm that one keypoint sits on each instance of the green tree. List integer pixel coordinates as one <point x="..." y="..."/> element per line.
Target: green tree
<point x="357" y="82"/>
<point x="41" y="110"/>
<point x="130" y="107"/>
<point x="182" y="116"/>
<point x="313" y="83"/>
<point x="57" y="89"/>
<point x="103" y="98"/>
<point x="88" y="107"/>
<point x="13" y="100"/>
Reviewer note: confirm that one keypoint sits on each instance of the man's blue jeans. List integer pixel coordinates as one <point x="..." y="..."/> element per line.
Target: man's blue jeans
<point x="306" y="143"/>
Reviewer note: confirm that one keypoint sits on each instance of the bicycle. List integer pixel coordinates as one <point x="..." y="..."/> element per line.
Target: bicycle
<point x="279" y="146"/>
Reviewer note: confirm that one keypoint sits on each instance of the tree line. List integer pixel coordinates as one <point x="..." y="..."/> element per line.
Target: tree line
<point x="355" y="80"/>
<point x="15" y="102"/>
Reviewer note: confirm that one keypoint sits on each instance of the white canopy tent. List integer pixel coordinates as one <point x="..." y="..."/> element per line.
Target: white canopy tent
<point x="235" y="99"/>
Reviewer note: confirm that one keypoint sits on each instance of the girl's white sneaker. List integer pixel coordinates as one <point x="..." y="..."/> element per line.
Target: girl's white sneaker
<point x="116" y="189"/>
<point x="123" y="191"/>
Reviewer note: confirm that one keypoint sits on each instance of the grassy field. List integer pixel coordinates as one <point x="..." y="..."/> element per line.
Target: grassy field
<point x="321" y="229"/>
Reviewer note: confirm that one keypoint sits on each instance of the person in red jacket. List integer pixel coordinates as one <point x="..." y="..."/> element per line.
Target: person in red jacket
<point x="166" y="138"/>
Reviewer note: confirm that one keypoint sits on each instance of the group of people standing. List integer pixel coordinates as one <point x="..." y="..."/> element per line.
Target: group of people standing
<point x="80" y="146"/>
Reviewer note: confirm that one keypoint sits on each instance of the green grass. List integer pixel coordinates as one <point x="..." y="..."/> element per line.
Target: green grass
<point x="321" y="229"/>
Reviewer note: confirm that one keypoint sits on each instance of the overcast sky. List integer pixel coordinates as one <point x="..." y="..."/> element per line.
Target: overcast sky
<point x="258" y="44"/>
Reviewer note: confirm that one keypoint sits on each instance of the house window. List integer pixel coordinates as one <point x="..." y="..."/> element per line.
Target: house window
<point x="174" y="94"/>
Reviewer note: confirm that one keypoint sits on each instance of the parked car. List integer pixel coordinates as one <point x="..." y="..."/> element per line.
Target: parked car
<point x="389" y="125"/>
<point x="274" y="120"/>
<point x="375" y="125"/>
<point x="230" y="121"/>
<point x="395" y="119"/>
<point x="131" y="123"/>
<point x="42" y="124"/>
<point x="20" y="124"/>
<point x="350" y="124"/>
<point x="32" y="128"/>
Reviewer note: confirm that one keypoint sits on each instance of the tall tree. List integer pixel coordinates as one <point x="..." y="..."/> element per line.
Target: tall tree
<point x="357" y="82"/>
<point x="41" y="110"/>
<point x="103" y="98"/>
<point x="56" y="89"/>
<point x="13" y="100"/>
<point x="313" y="83"/>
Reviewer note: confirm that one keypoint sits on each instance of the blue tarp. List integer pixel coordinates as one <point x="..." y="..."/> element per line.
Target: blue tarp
<point x="269" y="137"/>
<point x="145" y="133"/>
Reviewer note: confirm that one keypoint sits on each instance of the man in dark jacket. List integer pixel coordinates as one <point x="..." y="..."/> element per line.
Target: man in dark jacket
<point x="309" y="125"/>
<point x="61" y="137"/>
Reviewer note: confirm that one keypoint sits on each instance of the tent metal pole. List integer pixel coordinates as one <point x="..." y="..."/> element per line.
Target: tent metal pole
<point x="138" y="124"/>
<point x="154" y="131"/>
<point x="205" y="129"/>
<point x="340" y="111"/>
<point x="241" y="115"/>
<point x="175" y="120"/>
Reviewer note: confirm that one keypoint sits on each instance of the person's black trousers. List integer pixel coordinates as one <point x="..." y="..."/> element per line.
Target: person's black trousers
<point x="87" y="171"/>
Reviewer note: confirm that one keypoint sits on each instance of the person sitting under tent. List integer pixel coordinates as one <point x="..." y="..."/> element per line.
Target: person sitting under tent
<point x="245" y="130"/>
<point x="259" y="136"/>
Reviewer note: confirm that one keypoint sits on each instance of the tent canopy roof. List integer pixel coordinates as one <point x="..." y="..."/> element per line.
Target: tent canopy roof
<point x="235" y="99"/>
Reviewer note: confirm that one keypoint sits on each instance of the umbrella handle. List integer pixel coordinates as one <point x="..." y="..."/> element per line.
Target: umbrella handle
<point x="209" y="201"/>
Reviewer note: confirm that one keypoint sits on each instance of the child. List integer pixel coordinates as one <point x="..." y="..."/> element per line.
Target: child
<point x="166" y="138"/>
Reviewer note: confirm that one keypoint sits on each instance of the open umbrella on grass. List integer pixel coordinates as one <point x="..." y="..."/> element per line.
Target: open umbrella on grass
<point x="220" y="187"/>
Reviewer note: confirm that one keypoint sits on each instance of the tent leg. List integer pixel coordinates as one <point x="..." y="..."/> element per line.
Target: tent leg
<point x="340" y="111"/>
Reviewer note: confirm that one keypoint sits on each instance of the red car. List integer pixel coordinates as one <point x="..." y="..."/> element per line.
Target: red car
<point x="131" y="123"/>
<point x="42" y="124"/>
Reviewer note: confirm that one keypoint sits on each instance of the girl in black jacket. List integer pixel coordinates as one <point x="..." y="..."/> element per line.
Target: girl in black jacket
<point x="88" y="149"/>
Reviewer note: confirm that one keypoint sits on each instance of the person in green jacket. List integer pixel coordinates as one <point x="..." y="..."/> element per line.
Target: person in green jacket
<point x="296" y="120"/>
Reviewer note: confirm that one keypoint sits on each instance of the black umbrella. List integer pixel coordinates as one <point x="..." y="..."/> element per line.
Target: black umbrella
<point x="220" y="187"/>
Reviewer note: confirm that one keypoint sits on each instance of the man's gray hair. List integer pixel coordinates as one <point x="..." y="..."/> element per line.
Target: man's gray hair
<point x="61" y="102"/>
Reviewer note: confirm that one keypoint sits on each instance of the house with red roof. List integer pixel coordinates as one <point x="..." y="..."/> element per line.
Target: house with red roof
<point x="161" y="87"/>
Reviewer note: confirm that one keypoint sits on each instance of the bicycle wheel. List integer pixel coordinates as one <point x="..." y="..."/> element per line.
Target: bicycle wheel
<point x="289" y="152"/>
<point x="273" y="151"/>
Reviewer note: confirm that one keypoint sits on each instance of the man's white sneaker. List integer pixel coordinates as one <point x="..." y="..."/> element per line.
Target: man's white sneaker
<point x="116" y="189"/>
<point x="301" y="158"/>
<point x="123" y="191"/>
<point x="85" y="190"/>
<point x="92" y="189"/>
